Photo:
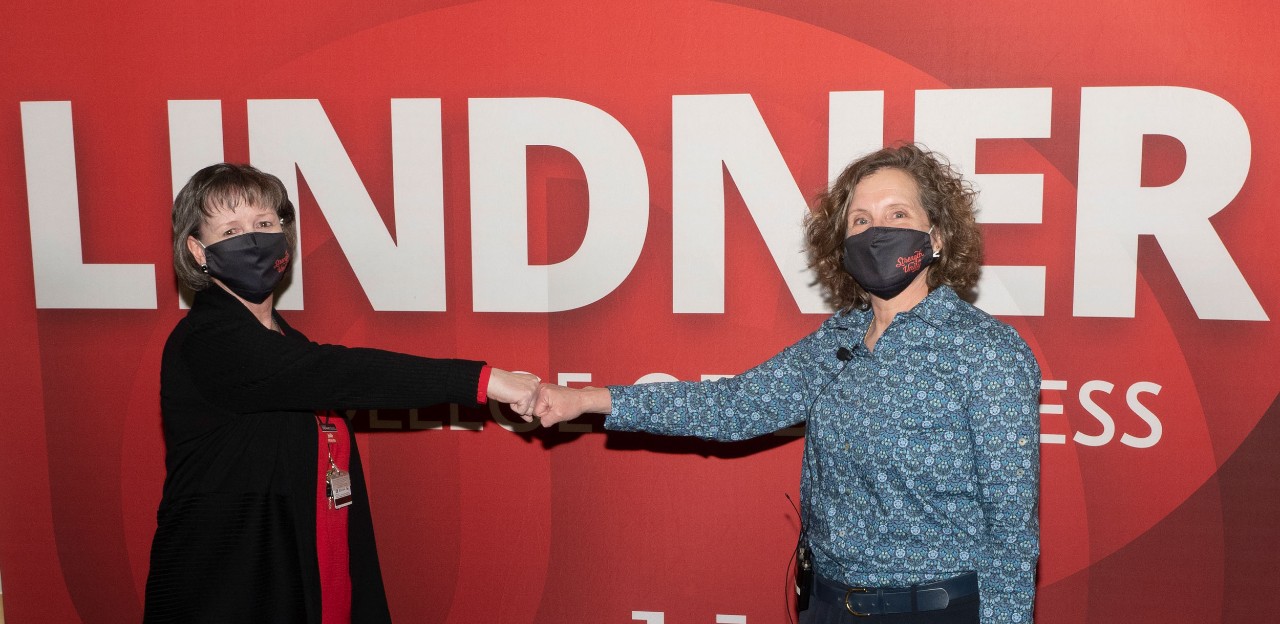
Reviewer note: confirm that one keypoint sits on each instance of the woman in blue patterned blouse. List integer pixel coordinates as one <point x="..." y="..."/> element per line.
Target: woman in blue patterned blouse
<point x="920" y="479"/>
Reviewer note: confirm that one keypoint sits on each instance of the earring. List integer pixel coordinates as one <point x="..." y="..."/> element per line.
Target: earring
<point x="204" y="268"/>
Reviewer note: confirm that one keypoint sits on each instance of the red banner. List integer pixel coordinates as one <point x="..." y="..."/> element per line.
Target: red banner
<point x="608" y="193"/>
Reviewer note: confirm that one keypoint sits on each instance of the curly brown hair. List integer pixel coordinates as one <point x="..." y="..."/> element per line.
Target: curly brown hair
<point x="948" y="200"/>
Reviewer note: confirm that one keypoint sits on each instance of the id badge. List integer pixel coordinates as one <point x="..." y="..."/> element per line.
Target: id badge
<point x="339" y="486"/>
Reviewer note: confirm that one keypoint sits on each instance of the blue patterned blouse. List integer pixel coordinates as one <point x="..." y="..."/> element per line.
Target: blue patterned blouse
<point x="921" y="458"/>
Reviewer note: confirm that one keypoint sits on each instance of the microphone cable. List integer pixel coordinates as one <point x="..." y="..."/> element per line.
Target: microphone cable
<point x="801" y="559"/>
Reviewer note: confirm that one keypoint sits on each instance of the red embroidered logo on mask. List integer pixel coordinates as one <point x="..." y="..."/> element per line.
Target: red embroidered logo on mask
<point x="910" y="263"/>
<point x="282" y="263"/>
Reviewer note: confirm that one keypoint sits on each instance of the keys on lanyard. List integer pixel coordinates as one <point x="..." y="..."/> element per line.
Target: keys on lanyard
<point x="337" y="481"/>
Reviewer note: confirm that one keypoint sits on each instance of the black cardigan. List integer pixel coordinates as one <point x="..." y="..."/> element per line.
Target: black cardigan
<point x="236" y="529"/>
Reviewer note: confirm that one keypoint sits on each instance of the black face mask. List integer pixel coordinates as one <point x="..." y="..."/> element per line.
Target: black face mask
<point x="251" y="265"/>
<point x="884" y="260"/>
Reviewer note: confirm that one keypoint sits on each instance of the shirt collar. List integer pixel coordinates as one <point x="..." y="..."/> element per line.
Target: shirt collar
<point x="216" y="298"/>
<point x="934" y="309"/>
<point x="937" y="307"/>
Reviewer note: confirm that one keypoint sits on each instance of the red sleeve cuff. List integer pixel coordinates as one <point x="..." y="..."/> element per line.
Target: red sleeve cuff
<point x="482" y="396"/>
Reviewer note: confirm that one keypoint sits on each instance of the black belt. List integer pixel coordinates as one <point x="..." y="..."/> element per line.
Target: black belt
<point x="865" y="601"/>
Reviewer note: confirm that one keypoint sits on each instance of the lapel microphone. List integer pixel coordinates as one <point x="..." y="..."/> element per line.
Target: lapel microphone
<point x="803" y="558"/>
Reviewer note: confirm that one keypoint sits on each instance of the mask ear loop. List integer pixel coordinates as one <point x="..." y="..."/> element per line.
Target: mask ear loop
<point x="204" y="268"/>
<point x="936" y="253"/>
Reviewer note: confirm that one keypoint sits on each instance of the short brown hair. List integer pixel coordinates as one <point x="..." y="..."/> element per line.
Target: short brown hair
<point x="223" y="186"/>
<point x="947" y="198"/>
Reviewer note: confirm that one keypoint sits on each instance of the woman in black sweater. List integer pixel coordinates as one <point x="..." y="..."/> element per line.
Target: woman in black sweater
<point x="265" y="516"/>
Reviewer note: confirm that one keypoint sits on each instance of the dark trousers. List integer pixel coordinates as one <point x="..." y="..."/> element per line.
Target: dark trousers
<point x="960" y="611"/>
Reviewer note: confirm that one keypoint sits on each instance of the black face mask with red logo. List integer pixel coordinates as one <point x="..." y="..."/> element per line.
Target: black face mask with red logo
<point x="251" y="265"/>
<point x="884" y="260"/>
